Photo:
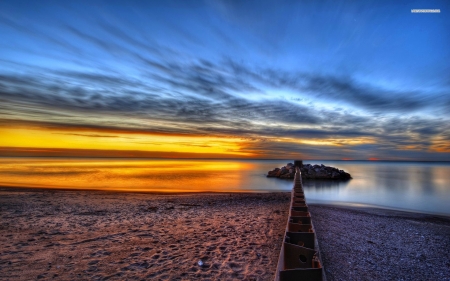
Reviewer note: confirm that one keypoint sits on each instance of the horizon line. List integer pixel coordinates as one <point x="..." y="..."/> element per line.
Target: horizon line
<point x="218" y="158"/>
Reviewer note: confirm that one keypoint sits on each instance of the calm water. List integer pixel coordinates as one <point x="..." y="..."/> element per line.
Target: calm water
<point x="413" y="186"/>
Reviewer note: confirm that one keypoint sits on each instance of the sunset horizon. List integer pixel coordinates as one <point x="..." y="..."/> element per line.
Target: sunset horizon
<point x="224" y="140"/>
<point x="213" y="80"/>
<point x="36" y="152"/>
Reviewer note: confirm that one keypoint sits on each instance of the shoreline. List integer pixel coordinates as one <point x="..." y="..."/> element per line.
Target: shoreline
<point x="387" y="212"/>
<point x="337" y="204"/>
<point x="374" y="208"/>
<point x="99" y="235"/>
<point x="59" y="189"/>
<point x="50" y="189"/>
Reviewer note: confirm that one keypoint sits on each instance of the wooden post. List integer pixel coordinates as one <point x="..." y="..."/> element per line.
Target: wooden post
<point x="298" y="163"/>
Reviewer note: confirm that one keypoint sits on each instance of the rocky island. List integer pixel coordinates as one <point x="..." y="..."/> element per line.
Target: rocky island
<point x="309" y="172"/>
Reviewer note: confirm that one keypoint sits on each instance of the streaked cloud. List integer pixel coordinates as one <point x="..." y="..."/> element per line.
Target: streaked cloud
<point x="116" y="72"/>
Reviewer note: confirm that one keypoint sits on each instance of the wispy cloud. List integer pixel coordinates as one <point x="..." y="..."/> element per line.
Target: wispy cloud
<point x="121" y="80"/>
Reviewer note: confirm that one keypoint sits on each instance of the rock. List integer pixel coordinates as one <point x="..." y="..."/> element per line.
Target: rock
<point x="310" y="172"/>
<point x="275" y="173"/>
<point x="345" y="176"/>
<point x="321" y="174"/>
<point x="287" y="176"/>
<point x="335" y="175"/>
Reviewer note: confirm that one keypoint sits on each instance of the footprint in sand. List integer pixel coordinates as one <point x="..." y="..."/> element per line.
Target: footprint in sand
<point x="235" y="267"/>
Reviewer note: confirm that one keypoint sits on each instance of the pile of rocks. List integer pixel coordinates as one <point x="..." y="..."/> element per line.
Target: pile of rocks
<point x="309" y="172"/>
<point x="286" y="172"/>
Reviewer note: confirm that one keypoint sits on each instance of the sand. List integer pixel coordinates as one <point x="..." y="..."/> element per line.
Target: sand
<point x="93" y="235"/>
<point x="379" y="244"/>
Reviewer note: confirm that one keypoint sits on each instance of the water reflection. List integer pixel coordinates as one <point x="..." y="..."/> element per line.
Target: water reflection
<point x="140" y="174"/>
<point x="415" y="186"/>
<point x="324" y="184"/>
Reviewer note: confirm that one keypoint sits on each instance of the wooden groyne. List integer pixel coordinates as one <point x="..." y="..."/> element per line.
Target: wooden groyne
<point x="299" y="256"/>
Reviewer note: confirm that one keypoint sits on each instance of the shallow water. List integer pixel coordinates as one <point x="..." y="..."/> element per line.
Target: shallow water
<point x="417" y="186"/>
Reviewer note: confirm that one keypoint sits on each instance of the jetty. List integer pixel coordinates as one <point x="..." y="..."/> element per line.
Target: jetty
<point x="299" y="256"/>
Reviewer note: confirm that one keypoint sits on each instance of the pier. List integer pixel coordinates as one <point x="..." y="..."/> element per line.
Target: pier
<point x="299" y="256"/>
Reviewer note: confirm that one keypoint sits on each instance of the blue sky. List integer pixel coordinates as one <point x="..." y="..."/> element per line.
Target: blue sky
<point x="351" y="79"/>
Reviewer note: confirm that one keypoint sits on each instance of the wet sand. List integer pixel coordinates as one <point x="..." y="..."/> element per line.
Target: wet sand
<point x="379" y="244"/>
<point x="93" y="235"/>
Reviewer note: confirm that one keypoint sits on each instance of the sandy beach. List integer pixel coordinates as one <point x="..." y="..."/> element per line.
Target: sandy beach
<point x="90" y="235"/>
<point x="93" y="235"/>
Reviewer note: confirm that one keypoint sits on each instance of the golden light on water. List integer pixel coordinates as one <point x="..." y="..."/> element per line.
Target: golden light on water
<point x="123" y="175"/>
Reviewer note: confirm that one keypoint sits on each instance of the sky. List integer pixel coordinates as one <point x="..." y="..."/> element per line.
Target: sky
<point x="225" y="79"/>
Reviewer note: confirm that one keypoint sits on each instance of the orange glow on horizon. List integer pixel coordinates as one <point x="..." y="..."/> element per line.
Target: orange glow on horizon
<point x="36" y="139"/>
<point x="331" y="141"/>
<point x="46" y="139"/>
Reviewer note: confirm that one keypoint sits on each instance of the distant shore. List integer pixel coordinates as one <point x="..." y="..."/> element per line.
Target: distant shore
<point x="67" y="235"/>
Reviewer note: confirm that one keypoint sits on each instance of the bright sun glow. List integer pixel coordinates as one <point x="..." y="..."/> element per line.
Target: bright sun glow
<point x="93" y="140"/>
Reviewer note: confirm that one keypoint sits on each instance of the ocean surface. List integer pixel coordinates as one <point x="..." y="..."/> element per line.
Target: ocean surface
<point x="416" y="186"/>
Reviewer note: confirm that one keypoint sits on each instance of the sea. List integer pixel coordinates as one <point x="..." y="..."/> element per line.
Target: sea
<point x="412" y="186"/>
